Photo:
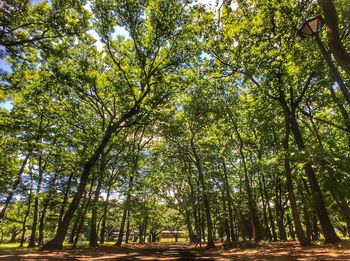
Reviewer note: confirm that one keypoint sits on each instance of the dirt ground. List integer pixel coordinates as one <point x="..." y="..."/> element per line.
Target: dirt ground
<point x="182" y="251"/>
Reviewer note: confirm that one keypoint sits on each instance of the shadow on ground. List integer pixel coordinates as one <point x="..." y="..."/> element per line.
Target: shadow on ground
<point x="181" y="251"/>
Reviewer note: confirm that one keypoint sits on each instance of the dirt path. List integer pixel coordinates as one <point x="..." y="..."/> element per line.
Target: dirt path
<point x="181" y="251"/>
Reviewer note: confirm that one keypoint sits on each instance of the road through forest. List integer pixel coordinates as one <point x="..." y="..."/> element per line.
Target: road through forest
<point x="181" y="251"/>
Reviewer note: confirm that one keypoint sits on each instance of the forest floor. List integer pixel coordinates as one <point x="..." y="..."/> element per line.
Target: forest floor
<point x="182" y="251"/>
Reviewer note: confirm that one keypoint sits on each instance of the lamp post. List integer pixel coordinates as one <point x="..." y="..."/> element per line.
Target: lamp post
<point x="311" y="28"/>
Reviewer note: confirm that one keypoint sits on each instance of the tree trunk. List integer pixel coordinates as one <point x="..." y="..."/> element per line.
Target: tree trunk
<point x="267" y="198"/>
<point x="93" y="227"/>
<point x="127" y="233"/>
<point x="264" y="203"/>
<point x="334" y="40"/>
<point x="82" y="218"/>
<point x="41" y="223"/>
<point x="251" y="203"/>
<point x="280" y="210"/>
<point x="194" y="204"/>
<point x="229" y="203"/>
<point x="57" y="241"/>
<point x="65" y="198"/>
<point x="328" y="230"/>
<point x="189" y="226"/>
<point x="335" y="191"/>
<point x="225" y="221"/>
<point x="26" y="214"/>
<point x="14" y="233"/>
<point x="41" y="169"/>
<point x="290" y="227"/>
<point x="104" y="219"/>
<point x="125" y="211"/>
<point x="303" y="240"/>
<point x="2" y="235"/>
<point x="45" y="206"/>
<point x="210" y="242"/>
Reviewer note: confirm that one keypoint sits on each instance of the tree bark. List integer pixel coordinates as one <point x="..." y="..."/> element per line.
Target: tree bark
<point x="327" y="227"/>
<point x="251" y="203"/>
<point x="335" y="191"/>
<point x="272" y="222"/>
<point x="279" y="210"/>
<point x="125" y="211"/>
<point x="334" y="40"/>
<point x="229" y="203"/>
<point x="26" y="213"/>
<point x="210" y="242"/>
<point x="104" y="219"/>
<point x="41" y="169"/>
<point x="303" y="240"/>
<point x="57" y="241"/>
<point x="268" y="231"/>
<point x="65" y="198"/>
<point x="127" y="233"/>
<point x="93" y="228"/>
<point x="45" y="206"/>
<point x="82" y="218"/>
<point x="328" y="230"/>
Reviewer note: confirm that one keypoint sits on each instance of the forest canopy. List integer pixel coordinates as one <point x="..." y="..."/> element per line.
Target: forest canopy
<point x="133" y="117"/>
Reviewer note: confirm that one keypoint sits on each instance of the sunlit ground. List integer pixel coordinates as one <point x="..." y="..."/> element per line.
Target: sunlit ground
<point x="181" y="251"/>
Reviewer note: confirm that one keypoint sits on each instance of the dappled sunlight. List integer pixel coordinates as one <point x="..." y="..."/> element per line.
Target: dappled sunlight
<point x="182" y="251"/>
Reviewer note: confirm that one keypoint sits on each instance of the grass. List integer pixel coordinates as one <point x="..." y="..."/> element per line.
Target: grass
<point x="10" y="245"/>
<point x="172" y="240"/>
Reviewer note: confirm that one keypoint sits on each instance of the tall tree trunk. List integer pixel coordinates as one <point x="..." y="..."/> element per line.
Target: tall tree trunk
<point x="93" y="227"/>
<point x="303" y="240"/>
<point x="343" y="206"/>
<point x="57" y="241"/>
<point x="127" y="233"/>
<point x="104" y="218"/>
<point x="76" y="221"/>
<point x="41" y="169"/>
<point x="334" y="40"/>
<point x="268" y="232"/>
<point x="65" y="198"/>
<point x="125" y="211"/>
<point x="251" y="203"/>
<point x="210" y="242"/>
<point x="42" y="222"/>
<point x="280" y="210"/>
<point x="194" y="204"/>
<point x="272" y="222"/>
<point x="334" y="178"/>
<point x="327" y="227"/>
<point x="82" y="218"/>
<point x="225" y="221"/>
<point x="189" y="226"/>
<point x="2" y="235"/>
<point x="45" y="206"/>
<point x="290" y="227"/>
<point x="26" y="213"/>
<point x="304" y="193"/>
<point x="229" y="202"/>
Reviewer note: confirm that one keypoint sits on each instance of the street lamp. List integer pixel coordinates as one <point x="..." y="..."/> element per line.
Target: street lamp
<point x="311" y="28"/>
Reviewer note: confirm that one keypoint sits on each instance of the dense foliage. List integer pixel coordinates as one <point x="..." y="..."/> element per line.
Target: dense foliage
<point x="136" y="116"/>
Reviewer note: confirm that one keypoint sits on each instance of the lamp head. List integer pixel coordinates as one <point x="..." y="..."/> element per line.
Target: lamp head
<point x="311" y="27"/>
